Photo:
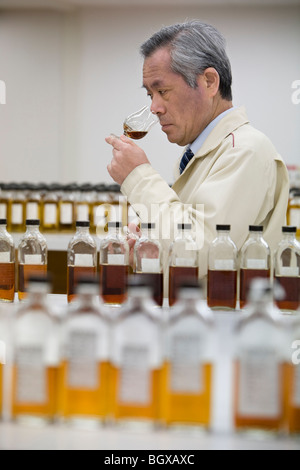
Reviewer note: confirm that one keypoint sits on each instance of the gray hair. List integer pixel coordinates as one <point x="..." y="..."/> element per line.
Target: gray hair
<point x="194" y="46"/>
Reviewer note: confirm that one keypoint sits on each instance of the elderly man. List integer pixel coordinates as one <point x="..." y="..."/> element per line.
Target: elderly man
<point x="230" y="173"/>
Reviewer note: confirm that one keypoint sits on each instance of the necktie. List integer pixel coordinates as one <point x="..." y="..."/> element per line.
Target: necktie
<point x="187" y="156"/>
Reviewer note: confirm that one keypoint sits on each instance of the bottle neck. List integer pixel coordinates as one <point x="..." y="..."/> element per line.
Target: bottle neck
<point x="256" y="235"/>
<point x="82" y="230"/>
<point x="32" y="228"/>
<point x="289" y="237"/>
<point x="223" y="234"/>
<point x="3" y="229"/>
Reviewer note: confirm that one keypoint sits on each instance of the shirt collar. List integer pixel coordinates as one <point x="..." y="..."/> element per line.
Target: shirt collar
<point x="197" y="144"/>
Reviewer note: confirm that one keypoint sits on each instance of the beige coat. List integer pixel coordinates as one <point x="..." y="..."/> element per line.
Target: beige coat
<point x="236" y="178"/>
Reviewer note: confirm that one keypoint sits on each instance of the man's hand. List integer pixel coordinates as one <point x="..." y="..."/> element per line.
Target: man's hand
<point x="126" y="157"/>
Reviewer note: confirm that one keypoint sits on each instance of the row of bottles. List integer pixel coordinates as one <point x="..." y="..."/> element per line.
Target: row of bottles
<point x="134" y="364"/>
<point x="226" y="267"/>
<point x="58" y="207"/>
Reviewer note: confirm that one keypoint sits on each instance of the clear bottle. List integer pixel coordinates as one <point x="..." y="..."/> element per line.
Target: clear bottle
<point x="148" y="261"/>
<point x="35" y="357"/>
<point x="32" y="256"/>
<point x="33" y="202"/>
<point x="85" y="357"/>
<point x="17" y="208"/>
<point x="222" y="271"/>
<point x="255" y="261"/>
<point x="293" y="215"/>
<point x="7" y="264"/>
<point x="114" y="262"/>
<point x="260" y="358"/>
<point x="287" y="269"/>
<point x="136" y="358"/>
<point x="84" y="202"/>
<point x="82" y="257"/>
<point x="50" y="213"/>
<point x="188" y="370"/>
<point x="293" y="380"/>
<point x="67" y="208"/>
<point x="183" y="261"/>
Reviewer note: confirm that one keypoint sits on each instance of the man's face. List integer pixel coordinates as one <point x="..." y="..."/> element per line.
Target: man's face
<point x="183" y="112"/>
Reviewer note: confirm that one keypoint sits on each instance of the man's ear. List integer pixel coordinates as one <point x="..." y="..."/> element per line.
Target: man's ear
<point x="211" y="80"/>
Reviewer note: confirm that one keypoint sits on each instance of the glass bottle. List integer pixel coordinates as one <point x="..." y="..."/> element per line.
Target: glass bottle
<point x="293" y="380"/>
<point x="114" y="262"/>
<point x="183" y="261"/>
<point x="35" y="357"/>
<point x="293" y="216"/>
<point x="84" y="202"/>
<point x="136" y="358"/>
<point x="99" y="210"/>
<point x="255" y="261"/>
<point x="5" y="195"/>
<point x="17" y="208"/>
<point x="188" y="370"/>
<point x="85" y="358"/>
<point x="287" y="269"/>
<point x="32" y="255"/>
<point x="33" y="202"/>
<point x="7" y="264"/>
<point x="82" y="257"/>
<point x="148" y="261"/>
<point x="222" y="271"/>
<point x="67" y="208"/>
<point x="260" y="357"/>
<point x="50" y="214"/>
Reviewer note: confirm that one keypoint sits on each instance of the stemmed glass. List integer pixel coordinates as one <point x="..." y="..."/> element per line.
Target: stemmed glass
<point x="137" y="125"/>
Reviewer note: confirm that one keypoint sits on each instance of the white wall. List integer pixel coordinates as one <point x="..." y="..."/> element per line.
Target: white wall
<point x="72" y="77"/>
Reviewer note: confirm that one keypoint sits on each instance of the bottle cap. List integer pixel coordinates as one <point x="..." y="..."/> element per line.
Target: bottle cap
<point x="82" y="223"/>
<point x="224" y="227"/>
<point x="3" y="221"/>
<point x="148" y="226"/>
<point x="184" y="226"/>
<point x="115" y="225"/>
<point x="256" y="228"/>
<point x="32" y="222"/>
<point x="289" y="229"/>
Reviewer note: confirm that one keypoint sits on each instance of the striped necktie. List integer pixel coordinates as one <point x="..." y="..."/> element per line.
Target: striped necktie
<point x="187" y="156"/>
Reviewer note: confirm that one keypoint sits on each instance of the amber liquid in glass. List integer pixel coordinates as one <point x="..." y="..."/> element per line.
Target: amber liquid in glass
<point x="187" y="408"/>
<point x="291" y="285"/>
<point x="263" y="423"/>
<point x="47" y="409"/>
<point x="113" y="283"/>
<point x="7" y="282"/>
<point x="74" y="273"/>
<point x="178" y="276"/>
<point x="136" y="135"/>
<point x="246" y="276"/>
<point x="156" y="281"/>
<point x="85" y="402"/>
<point x="25" y="271"/>
<point x="222" y="289"/>
<point x="131" y="411"/>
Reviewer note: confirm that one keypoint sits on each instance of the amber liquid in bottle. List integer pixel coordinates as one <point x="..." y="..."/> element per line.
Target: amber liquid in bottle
<point x="187" y="408"/>
<point x="113" y="283"/>
<point x="47" y="408"/>
<point x="132" y="410"/>
<point x="84" y="401"/>
<point x="177" y="276"/>
<point x="156" y="281"/>
<point x="74" y="273"/>
<point x="222" y="289"/>
<point x="293" y="403"/>
<point x="25" y="271"/>
<point x="264" y="423"/>
<point x="7" y="282"/>
<point x="246" y="276"/>
<point x="1" y="390"/>
<point x="291" y="286"/>
<point x="136" y="135"/>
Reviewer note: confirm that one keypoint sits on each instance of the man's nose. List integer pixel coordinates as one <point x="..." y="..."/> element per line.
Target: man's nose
<point x="157" y="107"/>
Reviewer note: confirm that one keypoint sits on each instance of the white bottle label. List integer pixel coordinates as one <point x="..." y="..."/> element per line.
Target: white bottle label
<point x="16" y="214"/>
<point x="224" y="264"/>
<point x="3" y="211"/>
<point x="296" y="391"/>
<point x="186" y="370"/>
<point x="33" y="259"/>
<point x="82" y="212"/>
<point x="84" y="260"/>
<point x="116" y="260"/>
<point x="185" y="262"/>
<point x="295" y="217"/>
<point x="5" y="257"/>
<point x="50" y="214"/>
<point x="289" y="271"/>
<point x="150" y="265"/>
<point x="259" y="384"/>
<point x="135" y="382"/>
<point x="82" y="355"/>
<point x="66" y="213"/>
<point x="32" y="211"/>
<point x="31" y="375"/>
<point x="257" y="264"/>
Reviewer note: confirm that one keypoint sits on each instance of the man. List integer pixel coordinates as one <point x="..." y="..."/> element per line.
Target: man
<point x="234" y="172"/>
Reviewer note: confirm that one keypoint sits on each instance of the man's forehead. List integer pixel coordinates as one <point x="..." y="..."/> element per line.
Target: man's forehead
<point x="156" y="68"/>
